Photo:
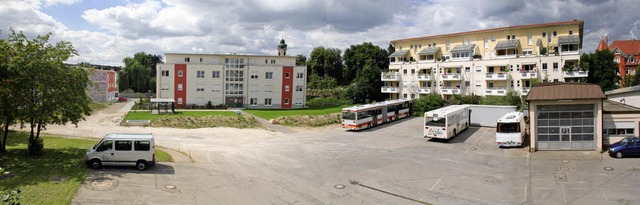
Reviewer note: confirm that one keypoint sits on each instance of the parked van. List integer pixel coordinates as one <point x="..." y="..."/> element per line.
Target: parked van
<point x="123" y="150"/>
<point x="510" y="130"/>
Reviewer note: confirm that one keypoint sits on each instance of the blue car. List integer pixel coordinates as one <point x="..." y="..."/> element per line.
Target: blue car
<point x="629" y="146"/>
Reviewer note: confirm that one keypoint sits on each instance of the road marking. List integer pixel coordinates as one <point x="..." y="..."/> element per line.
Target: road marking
<point x="434" y="185"/>
<point x="605" y="196"/>
<point x="474" y="143"/>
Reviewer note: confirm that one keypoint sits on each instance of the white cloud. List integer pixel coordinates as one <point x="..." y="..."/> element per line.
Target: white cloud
<point x="59" y="2"/>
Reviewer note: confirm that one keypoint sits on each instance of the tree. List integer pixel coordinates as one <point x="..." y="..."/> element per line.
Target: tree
<point x="49" y="92"/>
<point x="366" y="87"/>
<point x="356" y="56"/>
<point x="633" y="80"/>
<point x="391" y="49"/>
<point x="325" y="63"/>
<point x="8" y="106"/>
<point x="602" y="69"/>
<point x="428" y="102"/>
<point x="465" y="99"/>
<point x="301" y="60"/>
<point x="139" y="72"/>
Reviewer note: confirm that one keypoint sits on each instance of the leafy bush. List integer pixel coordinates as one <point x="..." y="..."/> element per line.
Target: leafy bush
<point x="427" y="103"/>
<point x="465" y="99"/>
<point x="207" y="106"/>
<point x="309" y="120"/>
<point x="193" y="122"/>
<point x="512" y="98"/>
<point x="327" y="102"/>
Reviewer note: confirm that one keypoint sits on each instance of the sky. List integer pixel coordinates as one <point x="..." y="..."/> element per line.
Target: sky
<point x="106" y="31"/>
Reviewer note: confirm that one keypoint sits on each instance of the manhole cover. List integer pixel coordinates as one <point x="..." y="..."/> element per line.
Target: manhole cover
<point x="339" y="186"/>
<point x="101" y="184"/>
<point x="608" y="168"/>
<point x="565" y="161"/>
<point x="170" y="187"/>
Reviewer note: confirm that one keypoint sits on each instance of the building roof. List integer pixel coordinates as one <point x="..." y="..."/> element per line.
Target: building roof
<point x="628" y="47"/>
<point x="611" y="106"/>
<point x="507" y="44"/>
<point x="603" y="45"/>
<point x="462" y="48"/>
<point x="398" y="53"/>
<point x="574" y="22"/>
<point x="623" y="90"/>
<point x="565" y="91"/>
<point x="573" y="39"/>
<point x="429" y="51"/>
<point x="227" y="54"/>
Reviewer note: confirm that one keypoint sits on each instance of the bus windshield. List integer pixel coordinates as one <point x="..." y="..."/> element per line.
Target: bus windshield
<point x="508" y="127"/>
<point x="441" y="122"/>
<point x="348" y="116"/>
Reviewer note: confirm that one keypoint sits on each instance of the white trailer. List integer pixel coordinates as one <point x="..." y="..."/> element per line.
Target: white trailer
<point x="510" y="130"/>
<point x="446" y="122"/>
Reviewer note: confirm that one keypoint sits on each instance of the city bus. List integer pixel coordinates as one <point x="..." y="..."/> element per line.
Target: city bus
<point x="446" y="122"/>
<point x="370" y="115"/>
<point x="510" y="130"/>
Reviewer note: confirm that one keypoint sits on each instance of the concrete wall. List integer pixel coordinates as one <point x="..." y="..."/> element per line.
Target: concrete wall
<point x="629" y="98"/>
<point x="488" y="115"/>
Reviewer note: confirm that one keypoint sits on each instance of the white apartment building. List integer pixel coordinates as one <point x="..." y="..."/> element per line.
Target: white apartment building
<point x="240" y="81"/>
<point x="485" y="62"/>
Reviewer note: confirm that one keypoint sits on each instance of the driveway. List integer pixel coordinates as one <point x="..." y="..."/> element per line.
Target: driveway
<point x="389" y="164"/>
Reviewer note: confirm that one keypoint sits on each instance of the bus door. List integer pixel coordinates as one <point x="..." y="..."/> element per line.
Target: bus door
<point x="384" y="114"/>
<point x="374" y="117"/>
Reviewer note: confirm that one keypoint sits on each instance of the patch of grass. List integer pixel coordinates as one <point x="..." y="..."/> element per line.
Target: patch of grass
<point x="99" y="106"/>
<point x="162" y="156"/>
<point x="273" y="114"/>
<point x="52" y="178"/>
<point x="192" y="122"/>
<point x="309" y="121"/>
<point x="145" y="115"/>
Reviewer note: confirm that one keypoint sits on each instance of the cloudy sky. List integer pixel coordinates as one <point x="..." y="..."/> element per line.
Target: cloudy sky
<point x="106" y="31"/>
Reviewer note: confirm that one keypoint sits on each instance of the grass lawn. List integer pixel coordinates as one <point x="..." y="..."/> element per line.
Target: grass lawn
<point x="53" y="178"/>
<point x="98" y="106"/>
<point x="272" y="114"/>
<point x="145" y="115"/>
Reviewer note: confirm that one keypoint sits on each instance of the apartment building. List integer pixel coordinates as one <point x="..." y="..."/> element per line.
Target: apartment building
<point x="485" y="62"/>
<point x="104" y="88"/>
<point x="240" y="81"/>
<point x="626" y="53"/>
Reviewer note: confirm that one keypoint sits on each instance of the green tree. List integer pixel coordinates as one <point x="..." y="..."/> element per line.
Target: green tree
<point x="356" y="56"/>
<point x="301" y="60"/>
<point x="49" y="92"/>
<point x="326" y="62"/>
<point x="8" y="105"/>
<point x="633" y="80"/>
<point x="366" y="87"/>
<point x="465" y="99"/>
<point x="391" y="49"/>
<point x="139" y="72"/>
<point x="428" y="102"/>
<point x="602" y="69"/>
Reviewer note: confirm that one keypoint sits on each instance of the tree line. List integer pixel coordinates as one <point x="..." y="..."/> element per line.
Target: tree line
<point x="37" y="88"/>
<point x="139" y="73"/>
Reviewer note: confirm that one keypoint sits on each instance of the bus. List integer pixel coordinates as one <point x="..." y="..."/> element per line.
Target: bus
<point x="370" y="115"/>
<point x="446" y="122"/>
<point x="510" y="130"/>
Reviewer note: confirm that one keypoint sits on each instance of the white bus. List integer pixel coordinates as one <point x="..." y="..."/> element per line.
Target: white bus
<point x="510" y="130"/>
<point x="446" y="122"/>
<point x="369" y="115"/>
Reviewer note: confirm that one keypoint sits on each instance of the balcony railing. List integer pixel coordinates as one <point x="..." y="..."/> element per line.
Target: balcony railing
<point x="506" y="56"/>
<point x="424" y="90"/>
<point x="450" y="90"/>
<point x="423" y="77"/>
<point x="529" y="75"/>
<point x="496" y="76"/>
<point x="388" y="89"/>
<point x="576" y="74"/>
<point x="455" y="77"/>
<point x="498" y="91"/>
<point x="390" y="76"/>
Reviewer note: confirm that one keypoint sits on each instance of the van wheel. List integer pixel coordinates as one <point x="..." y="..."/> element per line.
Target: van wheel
<point x="96" y="164"/>
<point x="141" y="165"/>
<point x="619" y="155"/>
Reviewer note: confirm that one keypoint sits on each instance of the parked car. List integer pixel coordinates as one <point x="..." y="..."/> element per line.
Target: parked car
<point x="122" y="99"/>
<point x="629" y="146"/>
<point x="123" y="150"/>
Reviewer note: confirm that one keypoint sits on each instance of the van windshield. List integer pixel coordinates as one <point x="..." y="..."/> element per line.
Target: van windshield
<point x="508" y="127"/>
<point x="96" y="145"/>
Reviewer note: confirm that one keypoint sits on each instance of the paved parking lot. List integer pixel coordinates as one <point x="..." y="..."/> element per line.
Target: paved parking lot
<point x="389" y="164"/>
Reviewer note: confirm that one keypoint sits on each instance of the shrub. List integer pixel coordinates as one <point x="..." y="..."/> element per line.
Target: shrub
<point x="427" y="103"/>
<point x="309" y="120"/>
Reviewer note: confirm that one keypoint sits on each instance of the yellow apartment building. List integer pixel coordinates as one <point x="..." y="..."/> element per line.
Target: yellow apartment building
<point x="485" y="62"/>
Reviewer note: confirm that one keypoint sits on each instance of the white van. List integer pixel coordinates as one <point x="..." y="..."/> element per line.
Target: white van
<point x="123" y="150"/>
<point x="510" y="130"/>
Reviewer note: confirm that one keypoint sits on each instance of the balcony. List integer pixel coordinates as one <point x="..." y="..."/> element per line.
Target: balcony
<point x="496" y="91"/>
<point x="525" y="91"/>
<point x="390" y="76"/>
<point x="576" y="74"/>
<point x="496" y="76"/>
<point x="451" y="77"/>
<point x="450" y="90"/>
<point x="527" y="75"/>
<point x="424" y="90"/>
<point x="387" y="89"/>
<point x="423" y="77"/>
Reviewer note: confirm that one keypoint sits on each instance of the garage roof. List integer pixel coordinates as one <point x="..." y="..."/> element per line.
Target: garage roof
<point x="610" y="106"/>
<point x="565" y="91"/>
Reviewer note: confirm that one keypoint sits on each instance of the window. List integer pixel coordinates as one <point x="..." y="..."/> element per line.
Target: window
<point x="234" y="62"/>
<point x="180" y="101"/>
<point x="200" y="60"/>
<point x="266" y="61"/>
<point x="273" y="61"/>
<point x="467" y="69"/>
<point x="268" y="88"/>
<point x="105" y="145"/>
<point x="478" y="83"/>
<point x="570" y="32"/>
<point x="298" y="101"/>
<point x="298" y="88"/>
<point x="527" y="52"/>
<point x="286" y="101"/>
<point x="215" y="74"/>
<point x="513" y="36"/>
<point x="544" y="34"/>
<point x="200" y="88"/>
<point x="267" y="101"/>
<point x="467" y="83"/>
<point x="179" y="73"/>
<point x="544" y="66"/>
<point x="164" y="86"/>
<point x="215" y="88"/>
<point x="287" y="75"/>
<point x="486" y="42"/>
<point x="555" y="33"/>
<point x="253" y="102"/>
<point x="508" y="37"/>
<point x="404" y="71"/>
<point x="268" y="75"/>
<point x="413" y="71"/>
<point x="200" y="74"/>
<point x="448" y="47"/>
<point x="187" y="59"/>
<point x="529" y="39"/>
<point x="234" y="75"/>
<point x="179" y="87"/>
<point x="286" y="88"/>
<point x="254" y="76"/>
<point x="555" y="66"/>
<point x="165" y="73"/>
<point x="123" y="145"/>
<point x="493" y="38"/>
<point x="142" y="146"/>
<point x="299" y="75"/>
<point x="555" y="80"/>
<point x="234" y="89"/>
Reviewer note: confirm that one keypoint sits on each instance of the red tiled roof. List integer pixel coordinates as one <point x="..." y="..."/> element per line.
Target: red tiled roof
<point x="576" y="22"/>
<point x="602" y="45"/>
<point x="628" y="47"/>
<point x="565" y="91"/>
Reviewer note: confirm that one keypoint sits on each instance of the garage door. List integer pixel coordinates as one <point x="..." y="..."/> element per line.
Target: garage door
<point x="566" y="127"/>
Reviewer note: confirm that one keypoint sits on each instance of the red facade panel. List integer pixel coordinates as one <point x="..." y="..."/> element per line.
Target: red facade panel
<point x="111" y="82"/>
<point x="180" y="82"/>
<point x="287" y="81"/>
